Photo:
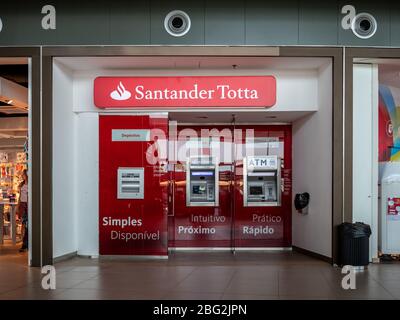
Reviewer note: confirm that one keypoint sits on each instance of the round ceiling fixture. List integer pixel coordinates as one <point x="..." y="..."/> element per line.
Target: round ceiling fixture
<point x="177" y="23"/>
<point x="364" y="25"/>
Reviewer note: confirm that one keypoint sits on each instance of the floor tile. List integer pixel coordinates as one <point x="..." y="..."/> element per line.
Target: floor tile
<point x="199" y="284"/>
<point x="307" y="297"/>
<point x="241" y="296"/>
<point x="122" y="284"/>
<point x="197" y="276"/>
<point x="93" y="294"/>
<point x="176" y="295"/>
<point x="394" y="292"/>
<point x="306" y="286"/>
<point x="30" y="294"/>
<point x="254" y="286"/>
<point x="366" y="293"/>
<point x="390" y="284"/>
<point x="7" y="288"/>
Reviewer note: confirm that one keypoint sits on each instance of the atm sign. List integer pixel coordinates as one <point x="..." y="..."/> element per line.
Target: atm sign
<point x="270" y="162"/>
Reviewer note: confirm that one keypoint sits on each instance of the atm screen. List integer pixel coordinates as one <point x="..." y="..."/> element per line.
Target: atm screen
<point x="256" y="190"/>
<point x="199" y="189"/>
<point x="202" y="173"/>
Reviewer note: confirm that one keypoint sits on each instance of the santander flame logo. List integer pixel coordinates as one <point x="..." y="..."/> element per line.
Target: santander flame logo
<point x="121" y="93"/>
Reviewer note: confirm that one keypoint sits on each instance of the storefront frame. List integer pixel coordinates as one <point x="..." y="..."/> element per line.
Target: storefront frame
<point x="48" y="53"/>
<point x="350" y="54"/>
<point x="33" y="53"/>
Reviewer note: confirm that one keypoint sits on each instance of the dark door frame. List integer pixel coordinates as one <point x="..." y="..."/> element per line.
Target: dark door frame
<point x="350" y="54"/>
<point x="35" y="139"/>
<point x="49" y="52"/>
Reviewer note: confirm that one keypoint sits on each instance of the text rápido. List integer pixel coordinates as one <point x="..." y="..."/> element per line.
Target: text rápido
<point x="261" y="230"/>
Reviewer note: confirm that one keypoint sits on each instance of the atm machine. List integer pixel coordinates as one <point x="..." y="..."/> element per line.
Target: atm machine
<point x="261" y="181"/>
<point x="130" y="183"/>
<point x="202" y="182"/>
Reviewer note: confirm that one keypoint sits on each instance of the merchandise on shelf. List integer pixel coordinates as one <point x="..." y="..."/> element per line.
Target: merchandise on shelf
<point x="12" y="165"/>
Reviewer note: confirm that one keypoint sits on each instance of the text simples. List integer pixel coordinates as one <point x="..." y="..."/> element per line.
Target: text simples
<point x="117" y="224"/>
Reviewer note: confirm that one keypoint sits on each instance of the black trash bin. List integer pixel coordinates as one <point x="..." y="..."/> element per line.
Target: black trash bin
<point x="354" y="244"/>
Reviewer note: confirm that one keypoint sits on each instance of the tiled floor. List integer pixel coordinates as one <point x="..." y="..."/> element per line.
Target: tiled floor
<point x="273" y="275"/>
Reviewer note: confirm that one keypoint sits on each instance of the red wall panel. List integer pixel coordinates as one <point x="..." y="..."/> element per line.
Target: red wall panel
<point x="151" y="235"/>
<point x="271" y="226"/>
<point x="276" y="220"/>
<point x="188" y="219"/>
<point x="228" y="219"/>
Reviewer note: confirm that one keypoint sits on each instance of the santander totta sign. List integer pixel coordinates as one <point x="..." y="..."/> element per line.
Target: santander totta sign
<point x="200" y="91"/>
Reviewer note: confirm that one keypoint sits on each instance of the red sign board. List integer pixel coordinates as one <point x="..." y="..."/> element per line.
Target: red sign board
<point x="212" y="91"/>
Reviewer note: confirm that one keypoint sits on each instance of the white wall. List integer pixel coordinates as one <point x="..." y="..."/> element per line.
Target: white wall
<point x="312" y="172"/>
<point x="87" y="190"/>
<point x="365" y="149"/>
<point x="64" y="130"/>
